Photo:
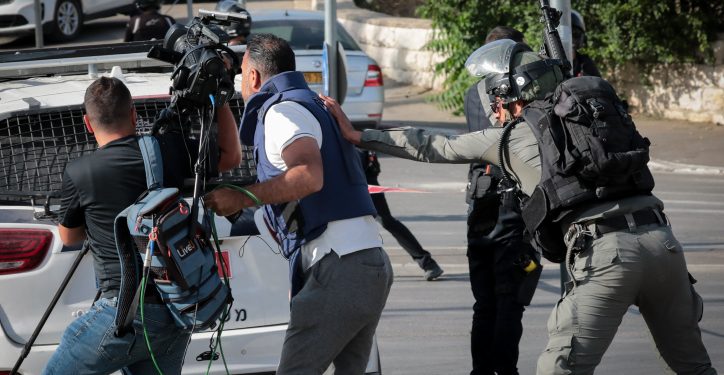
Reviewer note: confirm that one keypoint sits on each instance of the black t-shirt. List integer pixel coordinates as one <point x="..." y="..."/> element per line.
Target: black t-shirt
<point x="98" y="186"/>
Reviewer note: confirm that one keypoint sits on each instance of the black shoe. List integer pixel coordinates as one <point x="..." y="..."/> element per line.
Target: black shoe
<point x="433" y="273"/>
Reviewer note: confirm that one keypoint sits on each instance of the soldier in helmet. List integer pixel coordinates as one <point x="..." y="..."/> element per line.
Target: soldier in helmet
<point x="582" y="64"/>
<point x="238" y="31"/>
<point x="616" y="241"/>
<point x="148" y="24"/>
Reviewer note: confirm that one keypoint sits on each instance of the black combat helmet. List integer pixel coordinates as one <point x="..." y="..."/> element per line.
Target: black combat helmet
<point x="513" y="72"/>
<point x="236" y="29"/>
<point x="579" y="30"/>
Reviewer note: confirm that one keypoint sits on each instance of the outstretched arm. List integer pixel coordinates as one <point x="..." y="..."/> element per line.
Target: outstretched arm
<point x="419" y="144"/>
<point x="437" y="147"/>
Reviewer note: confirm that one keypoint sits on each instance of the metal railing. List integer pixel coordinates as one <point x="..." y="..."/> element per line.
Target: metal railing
<point x="36" y="145"/>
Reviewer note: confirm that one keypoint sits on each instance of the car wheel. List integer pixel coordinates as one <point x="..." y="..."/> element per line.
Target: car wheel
<point x="67" y="20"/>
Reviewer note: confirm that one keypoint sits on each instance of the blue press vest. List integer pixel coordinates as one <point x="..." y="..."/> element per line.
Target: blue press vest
<point x="344" y="194"/>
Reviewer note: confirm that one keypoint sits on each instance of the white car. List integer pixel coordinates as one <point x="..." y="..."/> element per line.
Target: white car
<point x="304" y="30"/>
<point x="41" y="129"/>
<point x="62" y="19"/>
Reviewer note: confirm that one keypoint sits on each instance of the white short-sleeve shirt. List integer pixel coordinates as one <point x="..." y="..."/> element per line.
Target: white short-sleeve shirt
<point x="284" y="123"/>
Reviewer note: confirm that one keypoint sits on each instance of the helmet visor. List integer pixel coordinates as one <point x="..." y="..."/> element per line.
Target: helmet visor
<point x="491" y="58"/>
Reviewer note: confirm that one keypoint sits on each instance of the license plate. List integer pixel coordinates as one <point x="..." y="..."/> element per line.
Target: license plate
<point x="313" y="77"/>
<point x="227" y="266"/>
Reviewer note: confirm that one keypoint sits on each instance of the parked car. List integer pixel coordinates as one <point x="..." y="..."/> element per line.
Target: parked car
<point x="62" y="19"/>
<point x="41" y="129"/>
<point x="304" y="30"/>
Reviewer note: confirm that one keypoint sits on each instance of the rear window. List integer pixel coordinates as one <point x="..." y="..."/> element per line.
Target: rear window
<point x="302" y="34"/>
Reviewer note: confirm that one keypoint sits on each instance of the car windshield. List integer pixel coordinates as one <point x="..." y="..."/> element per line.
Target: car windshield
<point x="302" y="34"/>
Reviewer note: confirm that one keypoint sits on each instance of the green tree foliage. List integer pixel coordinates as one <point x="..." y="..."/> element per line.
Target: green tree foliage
<point x="643" y="32"/>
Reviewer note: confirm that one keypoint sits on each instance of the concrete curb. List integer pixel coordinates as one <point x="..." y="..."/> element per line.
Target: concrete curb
<point x="668" y="166"/>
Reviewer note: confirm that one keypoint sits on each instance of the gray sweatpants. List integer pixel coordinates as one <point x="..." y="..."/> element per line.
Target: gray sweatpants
<point x="645" y="268"/>
<point x="334" y="316"/>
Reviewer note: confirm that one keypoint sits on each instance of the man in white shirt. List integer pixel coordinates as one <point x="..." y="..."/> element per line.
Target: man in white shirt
<point x="316" y="204"/>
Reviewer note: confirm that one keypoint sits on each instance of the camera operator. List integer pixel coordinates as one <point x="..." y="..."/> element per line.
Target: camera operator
<point x="315" y="200"/>
<point x="96" y="188"/>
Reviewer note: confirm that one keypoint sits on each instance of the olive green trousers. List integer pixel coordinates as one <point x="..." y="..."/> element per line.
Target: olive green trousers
<point x="646" y="268"/>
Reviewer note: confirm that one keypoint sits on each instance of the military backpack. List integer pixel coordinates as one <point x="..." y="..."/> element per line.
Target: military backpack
<point x="590" y="151"/>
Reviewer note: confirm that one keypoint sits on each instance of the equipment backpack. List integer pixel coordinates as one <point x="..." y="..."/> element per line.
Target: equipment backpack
<point x="156" y="237"/>
<point x="590" y="151"/>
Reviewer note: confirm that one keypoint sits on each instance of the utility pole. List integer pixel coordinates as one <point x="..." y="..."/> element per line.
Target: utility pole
<point x="330" y="39"/>
<point x="565" y="30"/>
<point x="38" y="25"/>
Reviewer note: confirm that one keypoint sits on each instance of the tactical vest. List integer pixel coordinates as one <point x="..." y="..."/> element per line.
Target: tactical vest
<point x="344" y="194"/>
<point x="481" y="193"/>
<point x="590" y="152"/>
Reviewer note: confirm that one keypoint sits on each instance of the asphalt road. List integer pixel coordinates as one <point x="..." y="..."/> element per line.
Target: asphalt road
<point x="425" y="326"/>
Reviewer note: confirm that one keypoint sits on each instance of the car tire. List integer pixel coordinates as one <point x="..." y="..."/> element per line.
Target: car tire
<point x="67" y="20"/>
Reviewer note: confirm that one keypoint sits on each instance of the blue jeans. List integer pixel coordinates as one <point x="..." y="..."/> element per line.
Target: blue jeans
<point x="89" y="346"/>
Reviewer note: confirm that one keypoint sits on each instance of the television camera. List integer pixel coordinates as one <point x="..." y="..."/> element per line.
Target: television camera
<point x="204" y="67"/>
<point x="202" y="79"/>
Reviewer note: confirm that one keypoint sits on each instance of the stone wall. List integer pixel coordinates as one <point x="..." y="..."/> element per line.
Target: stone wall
<point x="681" y="92"/>
<point x="399" y="50"/>
<point x="396" y="43"/>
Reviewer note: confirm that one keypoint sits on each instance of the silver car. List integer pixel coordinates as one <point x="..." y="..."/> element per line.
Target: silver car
<point x="304" y="30"/>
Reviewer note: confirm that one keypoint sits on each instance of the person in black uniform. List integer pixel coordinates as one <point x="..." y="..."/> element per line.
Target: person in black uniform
<point x="496" y="247"/>
<point x="402" y="234"/>
<point x="148" y="24"/>
<point x="582" y="64"/>
<point x="96" y="188"/>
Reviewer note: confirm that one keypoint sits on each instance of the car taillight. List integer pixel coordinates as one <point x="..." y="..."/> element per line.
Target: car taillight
<point x="22" y="250"/>
<point x="374" y="76"/>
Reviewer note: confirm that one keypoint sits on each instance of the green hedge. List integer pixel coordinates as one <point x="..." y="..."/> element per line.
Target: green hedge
<point x="643" y="32"/>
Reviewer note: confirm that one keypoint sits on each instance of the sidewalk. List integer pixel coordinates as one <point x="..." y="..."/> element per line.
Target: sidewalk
<point x="676" y="146"/>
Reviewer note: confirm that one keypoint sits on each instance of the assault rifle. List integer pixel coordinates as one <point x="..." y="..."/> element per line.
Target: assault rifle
<point x="551" y="40"/>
